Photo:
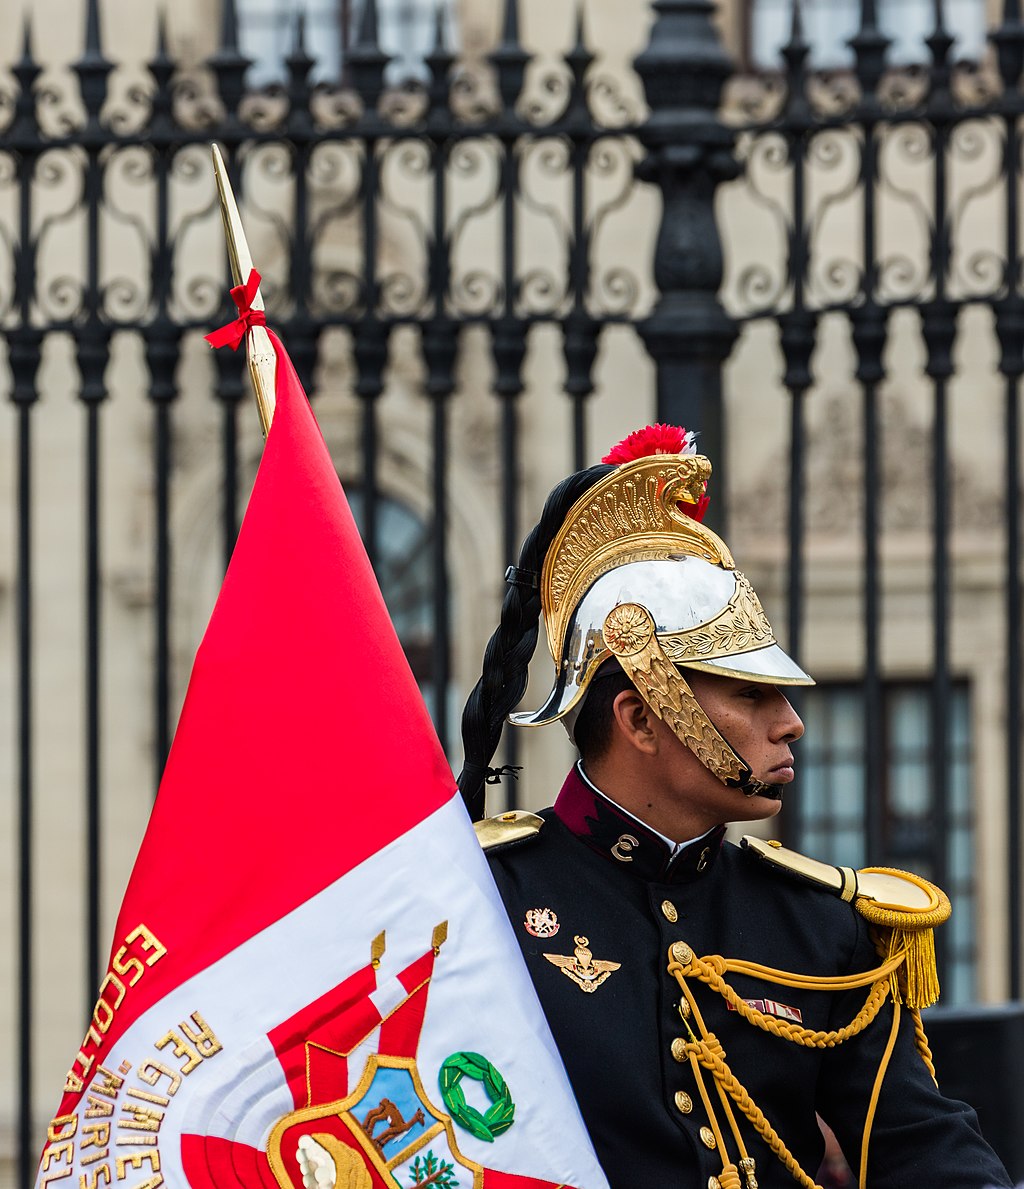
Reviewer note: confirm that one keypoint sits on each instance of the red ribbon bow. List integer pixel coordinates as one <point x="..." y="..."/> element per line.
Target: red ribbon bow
<point x="232" y="334"/>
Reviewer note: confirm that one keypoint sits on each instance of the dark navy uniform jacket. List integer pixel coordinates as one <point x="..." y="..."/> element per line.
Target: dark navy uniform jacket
<point x="610" y="882"/>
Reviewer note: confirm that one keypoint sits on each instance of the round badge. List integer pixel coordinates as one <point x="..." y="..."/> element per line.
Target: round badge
<point x="541" y="922"/>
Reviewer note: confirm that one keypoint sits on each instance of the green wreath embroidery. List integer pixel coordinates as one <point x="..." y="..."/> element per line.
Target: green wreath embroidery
<point x="498" y="1118"/>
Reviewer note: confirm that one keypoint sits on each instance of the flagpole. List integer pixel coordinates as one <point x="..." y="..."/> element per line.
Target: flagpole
<point x="262" y="359"/>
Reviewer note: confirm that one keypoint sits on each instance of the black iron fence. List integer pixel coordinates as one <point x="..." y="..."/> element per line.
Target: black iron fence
<point x="366" y="203"/>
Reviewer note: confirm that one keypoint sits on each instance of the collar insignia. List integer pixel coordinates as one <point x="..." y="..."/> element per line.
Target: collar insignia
<point x="626" y="841"/>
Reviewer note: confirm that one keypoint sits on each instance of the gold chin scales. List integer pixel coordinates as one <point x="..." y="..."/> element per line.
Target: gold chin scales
<point x="629" y="633"/>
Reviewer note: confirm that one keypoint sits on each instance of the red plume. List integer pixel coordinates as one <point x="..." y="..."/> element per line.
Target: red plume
<point x="652" y="439"/>
<point x="659" y="439"/>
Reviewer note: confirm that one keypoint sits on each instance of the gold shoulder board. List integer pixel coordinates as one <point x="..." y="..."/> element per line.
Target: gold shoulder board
<point x="841" y="881"/>
<point x="882" y="894"/>
<point x="507" y="828"/>
<point x="902" y="908"/>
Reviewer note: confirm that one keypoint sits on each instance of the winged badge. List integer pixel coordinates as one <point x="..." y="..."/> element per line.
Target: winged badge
<point x="586" y="971"/>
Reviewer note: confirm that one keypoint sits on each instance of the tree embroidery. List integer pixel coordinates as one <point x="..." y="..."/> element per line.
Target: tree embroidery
<point x="429" y="1170"/>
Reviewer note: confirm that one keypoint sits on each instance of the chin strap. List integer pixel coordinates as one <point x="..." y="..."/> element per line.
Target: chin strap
<point x="629" y="634"/>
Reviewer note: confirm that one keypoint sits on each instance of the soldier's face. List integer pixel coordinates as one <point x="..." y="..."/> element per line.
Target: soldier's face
<point x="760" y="724"/>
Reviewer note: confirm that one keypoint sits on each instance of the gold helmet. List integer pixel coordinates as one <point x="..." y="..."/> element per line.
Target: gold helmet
<point x="634" y="575"/>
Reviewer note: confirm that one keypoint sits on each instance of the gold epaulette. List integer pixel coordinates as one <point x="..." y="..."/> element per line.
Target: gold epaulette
<point x="507" y="828"/>
<point x="903" y="909"/>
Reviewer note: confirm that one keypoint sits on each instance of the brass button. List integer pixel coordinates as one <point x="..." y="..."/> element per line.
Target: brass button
<point x="682" y="953"/>
<point x="714" y="1183"/>
<point x="679" y="1049"/>
<point x="668" y="911"/>
<point x="684" y="1008"/>
<point x="707" y="1137"/>
<point x="684" y="1102"/>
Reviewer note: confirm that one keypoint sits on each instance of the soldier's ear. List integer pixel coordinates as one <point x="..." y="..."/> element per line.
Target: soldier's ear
<point x="633" y="721"/>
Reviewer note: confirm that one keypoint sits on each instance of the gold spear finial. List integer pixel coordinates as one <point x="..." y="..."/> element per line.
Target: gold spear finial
<point x="262" y="360"/>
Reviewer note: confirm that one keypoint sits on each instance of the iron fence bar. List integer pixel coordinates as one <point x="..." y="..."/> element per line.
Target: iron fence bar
<point x="868" y="325"/>
<point x="93" y="873"/>
<point x="1014" y="658"/>
<point x="24" y="344"/>
<point x="440" y="646"/>
<point x="508" y="335"/>
<point x="580" y="331"/>
<point x="231" y="391"/>
<point x="162" y="568"/>
<point x="25" y="1163"/>
<point x="92" y="351"/>
<point x="689" y="152"/>
<point x="796" y="327"/>
<point x="875" y="759"/>
<point x="439" y="347"/>
<point x="367" y="62"/>
<point x="229" y="67"/>
<point x="509" y="472"/>
<point x="797" y="333"/>
<point x="1008" y="40"/>
<point x="162" y="341"/>
<point x="1009" y="314"/>
<point x="302" y="337"/>
<point x="939" y="325"/>
<point x="371" y="390"/>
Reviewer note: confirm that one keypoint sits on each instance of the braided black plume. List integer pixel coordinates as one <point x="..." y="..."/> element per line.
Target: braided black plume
<point x="509" y="650"/>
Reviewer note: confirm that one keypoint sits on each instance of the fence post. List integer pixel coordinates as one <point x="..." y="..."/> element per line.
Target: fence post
<point x="689" y="152"/>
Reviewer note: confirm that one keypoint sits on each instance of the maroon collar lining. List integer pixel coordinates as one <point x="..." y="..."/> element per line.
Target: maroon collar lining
<point x="627" y="842"/>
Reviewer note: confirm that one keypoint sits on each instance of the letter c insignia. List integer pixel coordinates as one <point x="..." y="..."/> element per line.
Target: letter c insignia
<point x="625" y="844"/>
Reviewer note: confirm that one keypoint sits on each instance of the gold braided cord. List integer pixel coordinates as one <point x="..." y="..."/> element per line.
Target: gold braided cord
<point x="704" y="969"/>
<point x="883" y="1065"/>
<point x="709" y="1052"/>
<point x="734" y="1127"/>
<point x="709" y="1110"/>
<point x="809" y="982"/>
<point x="726" y="1105"/>
<point x="921" y="1040"/>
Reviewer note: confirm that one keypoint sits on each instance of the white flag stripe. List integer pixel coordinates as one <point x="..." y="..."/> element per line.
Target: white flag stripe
<point x="388" y="996"/>
<point x="250" y="1107"/>
<point x="480" y="999"/>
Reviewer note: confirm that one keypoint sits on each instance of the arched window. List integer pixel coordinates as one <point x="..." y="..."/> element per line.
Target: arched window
<point x="404" y="569"/>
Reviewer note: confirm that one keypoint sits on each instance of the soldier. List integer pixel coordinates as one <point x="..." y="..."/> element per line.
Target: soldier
<point x="708" y="1001"/>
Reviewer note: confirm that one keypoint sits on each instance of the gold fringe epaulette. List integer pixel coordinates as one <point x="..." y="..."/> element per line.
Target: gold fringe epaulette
<point x="902" y="909"/>
<point x="507" y="828"/>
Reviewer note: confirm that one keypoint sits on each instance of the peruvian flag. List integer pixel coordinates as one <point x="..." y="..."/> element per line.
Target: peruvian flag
<point x="312" y="982"/>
